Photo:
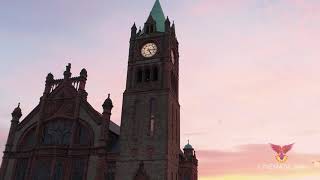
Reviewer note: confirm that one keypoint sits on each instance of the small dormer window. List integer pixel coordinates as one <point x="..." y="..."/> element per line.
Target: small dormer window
<point x="150" y="28"/>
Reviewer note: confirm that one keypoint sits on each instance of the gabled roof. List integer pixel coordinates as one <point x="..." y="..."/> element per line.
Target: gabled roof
<point x="158" y="16"/>
<point x="97" y="116"/>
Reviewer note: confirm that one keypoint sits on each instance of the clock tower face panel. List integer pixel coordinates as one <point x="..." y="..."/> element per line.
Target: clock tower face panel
<point x="149" y="50"/>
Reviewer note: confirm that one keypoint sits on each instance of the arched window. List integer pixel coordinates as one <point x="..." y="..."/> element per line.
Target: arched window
<point x="147" y="75"/>
<point x="58" y="171"/>
<point x="172" y="122"/>
<point x="155" y="75"/>
<point x="152" y="117"/>
<point x="42" y="170"/>
<point x="78" y="167"/>
<point x="21" y="169"/>
<point x="83" y="136"/>
<point x="177" y="124"/>
<point x="110" y="171"/>
<point x="28" y="140"/>
<point x="57" y="132"/>
<point x="139" y="76"/>
<point x="150" y="29"/>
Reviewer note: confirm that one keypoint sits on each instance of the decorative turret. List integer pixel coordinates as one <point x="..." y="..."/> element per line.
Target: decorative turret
<point x="49" y="81"/>
<point x="173" y="28"/>
<point x="16" y="115"/>
<point x="133" y="31"/>
<point x="83" y="73"/>
<point x="67" y="73"/>
<point x="107" y="105"/>
<point x="189" y="163"/>
<point x="79" y="83"/>
<point x="189" y="152"/>
<point x="83" y="79"/>
<point x="167" y="24"/>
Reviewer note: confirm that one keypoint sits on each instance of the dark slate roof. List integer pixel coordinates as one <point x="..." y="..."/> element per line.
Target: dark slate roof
<point x="114" y="128"/>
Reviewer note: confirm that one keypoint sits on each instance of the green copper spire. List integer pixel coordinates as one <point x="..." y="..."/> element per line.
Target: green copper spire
<point x="158" y="15"/>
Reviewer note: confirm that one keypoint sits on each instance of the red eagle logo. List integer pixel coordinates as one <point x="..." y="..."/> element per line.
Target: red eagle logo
<point x="281" y="152"/>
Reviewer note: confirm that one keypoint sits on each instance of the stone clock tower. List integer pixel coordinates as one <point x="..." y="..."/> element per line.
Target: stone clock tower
<point x="150" y="123"/>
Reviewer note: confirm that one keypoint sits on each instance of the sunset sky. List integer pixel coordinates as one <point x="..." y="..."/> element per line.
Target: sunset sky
<point x="249" y="73"/>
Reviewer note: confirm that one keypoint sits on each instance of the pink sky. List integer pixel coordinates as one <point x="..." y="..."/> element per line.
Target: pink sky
<point x="249" y="72"/>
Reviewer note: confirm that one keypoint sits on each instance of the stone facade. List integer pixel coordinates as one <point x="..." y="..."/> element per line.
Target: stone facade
<point x="64" y="137"/>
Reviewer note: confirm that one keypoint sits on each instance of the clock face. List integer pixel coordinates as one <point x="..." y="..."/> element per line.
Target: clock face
<point x="172" y="57"/>
<point x="149" y="50"/>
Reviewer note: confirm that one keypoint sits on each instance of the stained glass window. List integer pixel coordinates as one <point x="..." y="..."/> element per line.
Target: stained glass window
<point x="22" y="165"/>
<point x="84" y="137"/>
<point x="29" y="140"/>
<point x="58" y="171"/>
<point x="57" y="133"/>
<point x="42" y="170"/>
<point x="78" y="169"/>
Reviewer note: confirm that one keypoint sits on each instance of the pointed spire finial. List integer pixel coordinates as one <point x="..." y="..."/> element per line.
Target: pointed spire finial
<point x="158" y="16"/>
<point x="134" y="26"/>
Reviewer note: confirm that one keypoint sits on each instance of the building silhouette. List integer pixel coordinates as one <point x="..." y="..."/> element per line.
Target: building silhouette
<point x="65" y="138"/>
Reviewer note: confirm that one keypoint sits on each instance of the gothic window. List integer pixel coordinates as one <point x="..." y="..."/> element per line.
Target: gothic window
<point x="152" y="126"/>
<point x="58" y="171"/>
<point x="139" y="76"/>
<point x="152" y="117"/>
<point x="138" y="114"/>
<point x="150" y="28"/>
<point x="173" y="82"/>
<point x="21" y="169"/>
<point x="78" y="166"/>
<point x="155" y="74"/>
<point x="110" y="174"/>
<point x="57" y="133"/>
<point x="42" y="170"/>
<point x="147" y="75"/>
<point x="177" y="124"/>
<point x="186" y="177"/>
<point x="141" y="173"/>
<point x="172" y="122"/>
<point x="147" y="29"/>
<point x="83" y="136"/>
<point x="29" y="140"/>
